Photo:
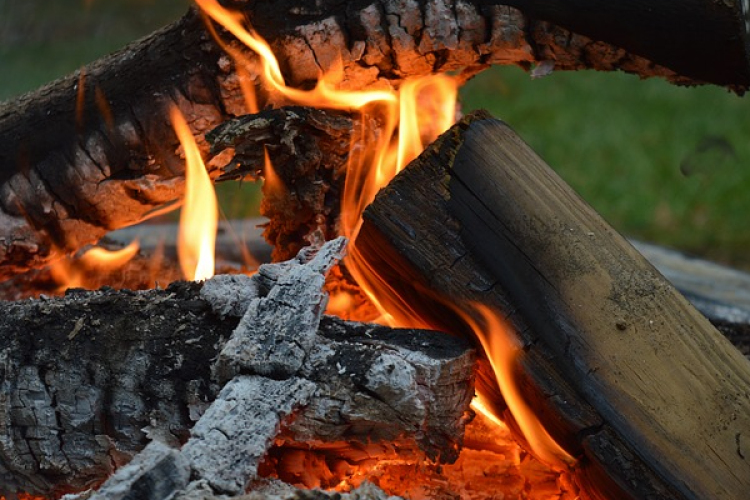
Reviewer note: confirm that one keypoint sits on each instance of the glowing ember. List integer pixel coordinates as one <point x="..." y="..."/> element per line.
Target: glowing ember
<point x="196" y="240"/>
<point x="340" y="304"/>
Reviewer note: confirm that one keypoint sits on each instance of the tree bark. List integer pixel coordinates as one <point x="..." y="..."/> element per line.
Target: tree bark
<point x="94" y="151"/>
<point x="625" y="374"/>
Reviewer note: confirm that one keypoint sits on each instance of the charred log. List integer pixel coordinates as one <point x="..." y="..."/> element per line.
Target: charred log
<point x="625" y="374"/>
<point x="90" y="379"/>
<point x="94" y="151"/>
<point x="308" y="151"/>
<point x="668" y="32"/>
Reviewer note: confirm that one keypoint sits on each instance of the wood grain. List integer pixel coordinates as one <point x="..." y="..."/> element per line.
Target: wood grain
<point x="623" y="371"/>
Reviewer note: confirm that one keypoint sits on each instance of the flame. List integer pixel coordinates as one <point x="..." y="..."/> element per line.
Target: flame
<point x="99" y="258"/>
<point x="102" y="103"/>
<point x="340" y="303"/>
<point x="74" y="272"/>
<point x="196" y="239"/>
<point x="273" y="187"/>
<point x="502" y="349"/>
<point x="428" y="108"/>
<point x="247" y="86"/>
<point x="409" y="117"/>
<point x="80" y="98"/>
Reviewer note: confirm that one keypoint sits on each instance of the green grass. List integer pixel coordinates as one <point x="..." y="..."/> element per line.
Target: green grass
<point x="41" y="40"/>
<point x="661" y="163"/>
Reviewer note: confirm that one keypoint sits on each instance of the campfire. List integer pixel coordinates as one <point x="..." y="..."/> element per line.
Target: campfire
<point x="443" y="317"/>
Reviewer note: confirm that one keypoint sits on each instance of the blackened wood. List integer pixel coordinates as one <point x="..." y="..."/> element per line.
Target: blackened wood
<point x="308" y="150"/>
<point x="706" y="40"/>
<point x="624" y="372"/>
<point x="89" y="379"/>
<point x="94" y="151"/>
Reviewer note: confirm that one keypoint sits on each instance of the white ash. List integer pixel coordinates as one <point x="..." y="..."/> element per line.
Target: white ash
<point x="272" y="489"/>
<point x="335" y="382"/>
<point x="394" y="379"/>
<point x="233" y="436"/>
<point x="272" y="344"/>
<point x="158" y="473"/>
<point x="230" y="295"/>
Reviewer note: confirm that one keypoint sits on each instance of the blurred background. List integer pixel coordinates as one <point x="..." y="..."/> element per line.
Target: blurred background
<point x="661" y="163"/>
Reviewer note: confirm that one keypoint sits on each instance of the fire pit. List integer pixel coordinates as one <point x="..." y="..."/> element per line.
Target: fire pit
<point x="594" y="377"/>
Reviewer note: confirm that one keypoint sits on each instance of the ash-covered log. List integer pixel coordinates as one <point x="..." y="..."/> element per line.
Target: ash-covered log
<point x="88" y="380"/>
<point x="94" y="151"/>
<point x="625" y="374"/>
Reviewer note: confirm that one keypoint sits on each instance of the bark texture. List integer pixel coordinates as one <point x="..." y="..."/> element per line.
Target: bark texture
<point x="94" y="151"/>
<point x="307" y="150"/>
<point x="626" y="375"/>
<point x="90" y="379"/>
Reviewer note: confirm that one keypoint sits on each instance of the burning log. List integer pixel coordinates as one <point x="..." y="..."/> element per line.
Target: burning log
<point x="303" y="154"/>
<point x="90" y="379"/>
<point x="94" y="151"/>
<point x="624" y="374"/>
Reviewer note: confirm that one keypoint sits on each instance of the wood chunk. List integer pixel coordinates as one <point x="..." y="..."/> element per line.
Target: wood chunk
<point x="89" y="379"/>
<point x="105" y="370"/>
<point x="156" y="473"/>
<point x="308" y="151"/>
<point x="232" y="437"/>
<point x="277" y="332"/>
<point x="612" y="335"/>
<point x="719" y="292"/>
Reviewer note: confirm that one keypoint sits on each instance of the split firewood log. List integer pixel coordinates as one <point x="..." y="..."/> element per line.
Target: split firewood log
<point x="95" y="151"/>
<point x="89" y="379"/>
<point x="625" y="374"/>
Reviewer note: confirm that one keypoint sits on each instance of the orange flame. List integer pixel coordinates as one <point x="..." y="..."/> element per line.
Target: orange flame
<point x="340" y="304"/>
<point x="73" y="272"/>
<point x="502" y="349"/>
<point x="80" y="98"/>
<point x="371" y="168"/>
<point x="98" y="257"/>
<point x="410" y="117"/>
<point x="273" y="187"/>
<point x="196" y="239"/>
<point x="102" y="103"/>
